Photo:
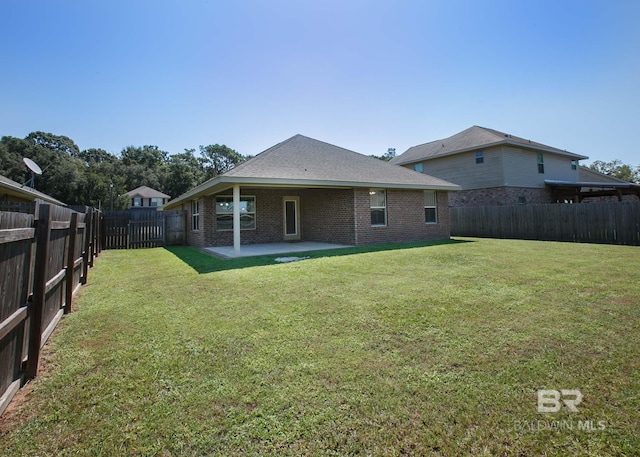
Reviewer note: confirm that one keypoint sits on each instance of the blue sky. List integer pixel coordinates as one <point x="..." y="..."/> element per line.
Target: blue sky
<point x="365" y="75"/>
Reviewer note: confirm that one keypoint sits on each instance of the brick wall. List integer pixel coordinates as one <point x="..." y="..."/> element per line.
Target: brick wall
<point x="194" y="237"/>
<point x="327" y="215"/>
<point x="340" y="216"/>
<point x="500" y="196"/>
<point x="405" y="218"/>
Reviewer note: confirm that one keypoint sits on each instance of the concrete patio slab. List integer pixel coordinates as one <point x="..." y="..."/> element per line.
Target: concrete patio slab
<point x="252" y="250"/>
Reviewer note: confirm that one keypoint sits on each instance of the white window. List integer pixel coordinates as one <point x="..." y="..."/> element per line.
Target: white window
<point x="430" y="207"/>
<point x="195" y="215"/>
<point x="155" y="201"/>
<point x="224" y="212"/>
<point x="574" y="164"/>
<point x="137" y="201"/>
<point x="479" y="157"/>
<point x="540" y="163"/>
<point x="378" y="205"/>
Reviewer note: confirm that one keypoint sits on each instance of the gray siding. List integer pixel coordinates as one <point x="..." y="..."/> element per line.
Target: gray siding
<point x="521" y="168"/>
<point x="463" y="170"/>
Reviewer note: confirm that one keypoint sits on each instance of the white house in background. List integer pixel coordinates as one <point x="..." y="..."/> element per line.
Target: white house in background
<point x="144" y="196"/>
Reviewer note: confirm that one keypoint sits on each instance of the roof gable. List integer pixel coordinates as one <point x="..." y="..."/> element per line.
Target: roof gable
<point x="14" y="188"/>
<point x="304" y="158"/>
<point x="470" y="139"/>
<point x="146" y="192"/>
<point x="305" y="162"/>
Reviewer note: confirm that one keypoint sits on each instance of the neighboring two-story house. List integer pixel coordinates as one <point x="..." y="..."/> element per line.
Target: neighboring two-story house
<point x="494" y="168"/>
<point x="147" y="197"/>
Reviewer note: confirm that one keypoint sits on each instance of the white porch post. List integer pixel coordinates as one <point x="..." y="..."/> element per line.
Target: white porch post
<point x="236" y="219"/>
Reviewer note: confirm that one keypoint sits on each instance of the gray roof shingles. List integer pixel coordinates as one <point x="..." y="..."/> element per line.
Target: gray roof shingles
<point x="27" y="192"/>
<point x="305" y="161"/>
<point x="303" y="158"/>
<point x="472" y="138"/>
<point x="146" y="192"/>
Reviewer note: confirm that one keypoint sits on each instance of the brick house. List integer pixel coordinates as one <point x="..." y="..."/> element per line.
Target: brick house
<point x="494" y="168"/>
<point x="308" y="190"/>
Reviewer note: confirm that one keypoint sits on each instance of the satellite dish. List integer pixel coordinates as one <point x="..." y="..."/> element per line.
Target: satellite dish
<point x="31" y="165"/>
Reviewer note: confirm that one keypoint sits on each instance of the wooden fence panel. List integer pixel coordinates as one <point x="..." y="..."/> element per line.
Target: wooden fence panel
<point x="17" y="234"/>
<point x="42" y="260"/>
<point x="116" y="230"/>
<point x="175" y="227"/>
<point x="142" y="228"/>
<point x="611" y="222"/>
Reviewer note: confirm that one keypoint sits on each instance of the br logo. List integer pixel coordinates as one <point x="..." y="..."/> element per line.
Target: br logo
<point x="550" y="401"/>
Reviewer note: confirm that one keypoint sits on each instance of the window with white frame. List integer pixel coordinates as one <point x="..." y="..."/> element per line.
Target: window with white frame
<point x="195" y="215"/>
<point x="574" y="164"/>
<point x="137" y="201"/>
<point x="430" y="207"/>
<point x="224" y="212"/>
<point x="156" y="201"/>
<point x="479" y="157"/>
<point x="540" y="163"/>
<point x="378" y="205"/>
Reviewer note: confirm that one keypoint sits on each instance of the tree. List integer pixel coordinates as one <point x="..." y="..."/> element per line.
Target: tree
<point x="183" y="173"/>
<point x="387" y="156"/>
<point x="101" y="170"/>
<point x="55" y="143"/>
<point x="617" y="169"/>
<point x="12" y="150"/>
<point x="144" y="166"/>
<point x="217" y="159"/>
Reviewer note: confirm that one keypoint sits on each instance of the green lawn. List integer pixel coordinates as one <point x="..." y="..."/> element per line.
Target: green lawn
<point x="426" y="350"/>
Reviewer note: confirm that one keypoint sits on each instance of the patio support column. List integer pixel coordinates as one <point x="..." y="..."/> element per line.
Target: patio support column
<point x="236" y="219"/>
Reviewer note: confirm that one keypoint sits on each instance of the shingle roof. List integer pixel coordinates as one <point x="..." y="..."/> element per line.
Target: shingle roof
<point x="587" y="174"/>
<point x="472" y="138"/>
<point x="15" y="188"/>
<point x="305" y="162"/>
<point x="146" y="192"/>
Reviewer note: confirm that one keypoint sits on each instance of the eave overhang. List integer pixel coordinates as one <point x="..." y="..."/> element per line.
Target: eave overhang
<point x="223" y="183"/>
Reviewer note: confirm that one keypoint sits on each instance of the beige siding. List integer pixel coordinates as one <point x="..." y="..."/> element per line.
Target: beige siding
<point x="521" y="168"/>
<point x="462" y="169"/>
<point x="588" y="175"/>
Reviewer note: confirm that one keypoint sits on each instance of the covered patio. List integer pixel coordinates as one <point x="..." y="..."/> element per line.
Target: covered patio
<point x="252" y="250"/>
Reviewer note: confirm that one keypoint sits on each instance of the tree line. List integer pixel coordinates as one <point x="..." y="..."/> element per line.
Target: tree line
<point x="85" y="177"/>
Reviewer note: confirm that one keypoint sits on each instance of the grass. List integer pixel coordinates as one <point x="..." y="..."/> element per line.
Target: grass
<point x="428" y="350"/>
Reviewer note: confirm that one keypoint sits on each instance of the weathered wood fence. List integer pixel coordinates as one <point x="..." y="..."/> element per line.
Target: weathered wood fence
<point x="610" y="223"/>
<point x="143" y="228"/>
<point x="44" y="258"/>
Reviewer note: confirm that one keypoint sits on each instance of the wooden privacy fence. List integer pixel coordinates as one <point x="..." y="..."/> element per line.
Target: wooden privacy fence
<point x="143" y="228"/>
<point x="611" y="223"/>
<point x="44" y="258"/>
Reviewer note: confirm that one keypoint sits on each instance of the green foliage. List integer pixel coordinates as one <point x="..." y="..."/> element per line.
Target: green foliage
<point x="217" y="159"/>
<point x="184" y="172"/>
<point x="387" y="156"/>
<point x="86" y="177"/>
<point x="617" y="169"/>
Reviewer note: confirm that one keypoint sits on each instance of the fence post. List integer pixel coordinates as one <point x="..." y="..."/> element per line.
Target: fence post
<point x="71" y="257"/>
<point x="92" y="236"/>
<point x="43" y="236"/>
<point x="87" y="241"/>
